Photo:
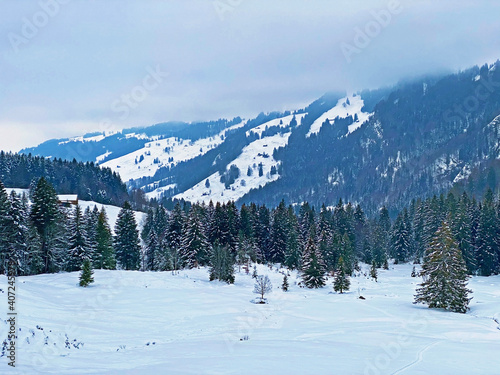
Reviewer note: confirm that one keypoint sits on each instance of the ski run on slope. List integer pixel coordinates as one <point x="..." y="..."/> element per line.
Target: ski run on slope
<point x="132" y="322"/>
<point x="163" y="152"/>
<point x="349" y="106"/>
<point x="259" y="152"/>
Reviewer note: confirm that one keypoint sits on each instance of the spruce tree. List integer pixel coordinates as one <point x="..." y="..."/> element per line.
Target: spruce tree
<point x="341" y="282"/>
<point x="373" y="271"/>
<point x="313" y="269"/>
<point x="86" y="274"/>
<point x="78" y="246"/>
<point x="222" y="264"/>
<point x="278" y="234"/>
<point x="462" y="232"/>
<point x="47" y="219"/>
<point x="90" y="219"/>
<point x="444" y="274"/>
<point x="18" y="236"/>
<point x="174" y="227"/>
<point x="401" y="238"/>
<point x="488" y="238"/>
<point x="104" y="255"/>
<point x="152" y="249"/>
<point x="194" y="248"/>
<point x="285" y="284"/>
<point x="5" y="228"/>
<point x="127" y="245"/>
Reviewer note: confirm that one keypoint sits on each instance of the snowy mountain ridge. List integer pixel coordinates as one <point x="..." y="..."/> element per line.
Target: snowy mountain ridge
<point x="382" y="147"/>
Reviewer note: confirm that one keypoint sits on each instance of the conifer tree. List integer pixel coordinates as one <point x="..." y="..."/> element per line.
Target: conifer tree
<point x="488" y="238"/>
<point x="104" y="255"/>
<point x="444" y="274"/>
<point x="313" y="270"/>
<point x="461" y="227"/>
<point x="373" y="271"/>
<point x="401" y="238"/>
<point x="90" y="219"/>
<point x="194" y="248"/>
<point x="6" y="228"/>
<point x="341" y="282"/>
<point x="18" y="236"/>
<point x="86" y="274"/>
<point x="47" y="219"/>
<point x="293" y="244"/>
<point x="279" y="234"/>
<point x="78" y="246"/>
<point x="222" y="264"/>
<point x="152" y="248"/>
<point x="254" y="273"/>
<point x="127" y="245"/>
<point x="175" y="225"/>
<point x="285" y="284"/>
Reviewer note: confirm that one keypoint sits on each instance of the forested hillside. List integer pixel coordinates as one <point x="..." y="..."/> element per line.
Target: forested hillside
<point x="88" y="180"/>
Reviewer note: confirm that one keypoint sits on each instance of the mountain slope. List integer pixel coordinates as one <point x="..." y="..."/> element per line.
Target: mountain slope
<point x="377" y="147"/>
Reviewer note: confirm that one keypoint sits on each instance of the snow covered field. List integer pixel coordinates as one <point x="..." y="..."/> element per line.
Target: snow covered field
<point x="158" y="323"/>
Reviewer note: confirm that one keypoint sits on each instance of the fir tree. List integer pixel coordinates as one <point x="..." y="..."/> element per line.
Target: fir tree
<point x="373" y="271"/>
<point x="341" y="282"/>
<point x="5" y="228"/>
<point x="18" y="236"/>
<point x="488" y="239"/>
<point x="78" y="249"/>
<point x="90" y="219"/>
<point x="222" y="264"/>
<point x="86" y="274"/>
<point x="195" y="248"/>
<point x="285" y="284"/>
<point x="254" y="273"/>
<point x="152" y="248"/>
<point x="175" y="225"/>
<point x="413" y="272"/>
<point x="279" y="234"/>
<point x="444" y="274"/>
<point x="401" y="238"/>
<point x="47" y="220"/>
<point x="293" y="253"/>
<point x="461" y="226"/>
<point x="127" y="246"/>
<point x="104" y="255"/>
<point x="313" y="270"/>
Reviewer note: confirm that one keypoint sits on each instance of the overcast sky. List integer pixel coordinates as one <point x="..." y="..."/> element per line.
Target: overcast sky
<point x="71" y="67"/>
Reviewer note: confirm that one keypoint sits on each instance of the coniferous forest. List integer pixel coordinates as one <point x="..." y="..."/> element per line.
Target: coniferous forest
<point x="43" y="237"/>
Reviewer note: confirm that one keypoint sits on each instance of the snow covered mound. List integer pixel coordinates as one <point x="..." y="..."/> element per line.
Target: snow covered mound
<point x="131" y="322"/>
<point x="349" y="106"/>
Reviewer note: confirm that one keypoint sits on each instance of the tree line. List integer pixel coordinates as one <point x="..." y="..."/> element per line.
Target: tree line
<point x="44" y="237"/>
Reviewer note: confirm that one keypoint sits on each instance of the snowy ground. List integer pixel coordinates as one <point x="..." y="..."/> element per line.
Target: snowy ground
<point x="159" y="323"/>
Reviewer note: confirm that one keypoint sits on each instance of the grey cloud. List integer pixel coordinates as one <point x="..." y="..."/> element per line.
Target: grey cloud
<point x="265" y="55"/>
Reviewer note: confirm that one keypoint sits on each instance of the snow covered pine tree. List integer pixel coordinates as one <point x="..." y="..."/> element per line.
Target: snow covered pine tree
<point x="444" y="274"/>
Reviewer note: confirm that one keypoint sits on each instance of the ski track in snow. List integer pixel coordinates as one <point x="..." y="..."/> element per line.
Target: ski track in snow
<point x="420" y="356"/>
